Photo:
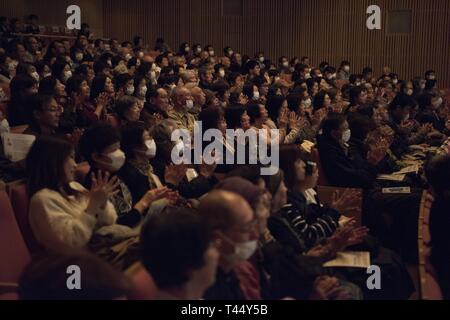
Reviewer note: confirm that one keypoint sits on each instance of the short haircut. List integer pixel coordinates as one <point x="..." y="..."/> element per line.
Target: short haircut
<point x="173" y="244"/>
<point x="96" y="139"/>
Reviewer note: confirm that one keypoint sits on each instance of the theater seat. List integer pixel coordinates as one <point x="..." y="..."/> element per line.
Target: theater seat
<point x="14" y="255"/>
<point x="20" y="204"/>
<point x="144" y="286"/>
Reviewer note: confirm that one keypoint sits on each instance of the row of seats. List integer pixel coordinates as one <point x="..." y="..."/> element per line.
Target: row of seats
<point x="429" y="287"/>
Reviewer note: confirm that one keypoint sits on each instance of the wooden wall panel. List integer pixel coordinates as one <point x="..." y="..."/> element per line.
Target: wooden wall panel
<point x="329" y="30"/>
<point x="322" y="29"/>
<point x="53" y="12"/>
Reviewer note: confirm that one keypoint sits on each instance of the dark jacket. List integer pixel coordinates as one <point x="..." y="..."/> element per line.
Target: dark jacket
<point x="340" y="169"/>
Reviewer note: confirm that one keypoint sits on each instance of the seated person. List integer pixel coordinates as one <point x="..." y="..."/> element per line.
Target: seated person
<point x="165" y="240"/>
<point x="163" y="166"/>
<point x="233" y="223"/>
<point x="62" y="213"/>
<point x="100" y="146"/>
<point x="44" y="115"/>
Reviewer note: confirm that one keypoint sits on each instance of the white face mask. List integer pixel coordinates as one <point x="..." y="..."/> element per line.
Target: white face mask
<point x="261" y="59"/>
<point x="422" y="86"/>
<point x="307" y="102"/>
<point x="47" y="74"/>
<point x="130" y="90"/>
<point x="432" y="77"/>
<point x="189" y="104"/>
<point x="79" y="56"/>
<point x="4" y="126"/>
<point x="395" y="81"/>
<point x="128" y="56"/>
<point x="242" y="251"/>
<point x="67" y="75"/>
<point x="35" y="75"/>
<point x="286" y="64"/>
<point x="143" y="91"/>
<point x="409" y="92"/>
<point x="308" y="76"/>
<point x="256" y="95"/>
<point x="198" y="50"/>
<point x="118" y="159"/>
<point x="211" y="53"/>
<point x="187" y="49"/>
<point x="346" y="68"/>
<point x="151" y="148"/>
<point x="357" y="84"/>
<point x="222" y="73"/>
<point x="230" y="52"/>
<point x="346" y="135"/>
<point x="140" y="55"/>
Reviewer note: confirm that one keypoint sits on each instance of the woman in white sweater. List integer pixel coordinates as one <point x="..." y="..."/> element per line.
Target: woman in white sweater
<point x="63" y="214"/>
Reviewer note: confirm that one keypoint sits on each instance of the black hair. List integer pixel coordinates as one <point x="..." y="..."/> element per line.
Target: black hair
<point x="173" y="244"/>
<point x="45" y="164"/>
<point x="274" y="104"/>
<point x="131" y="138"/>
<point x="332" y="122"/>
<point x="123" y="105"/>
<point x="96" y="139"/>
<point x="233" y="116"/>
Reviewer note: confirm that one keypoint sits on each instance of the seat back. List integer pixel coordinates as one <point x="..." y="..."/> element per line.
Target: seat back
<point x="20" y="204"/>
<point x="14" y="255"/>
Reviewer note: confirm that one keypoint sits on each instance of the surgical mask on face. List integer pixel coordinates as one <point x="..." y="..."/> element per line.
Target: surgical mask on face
<point x="409" y="92"/>
<point x="47" y="74"/>
<point x="256" y="95"/>
<point x="140" y="55"/>
<point x="143" y="91"/>
<point x="198" y="50"/>
<point x="67" y="75"/>
<point x="211" y="53"/>
<point x="187" y="49"/>
<point x="432" y="77"/>
<point x="346" y="135"/>
<point x="222" y="73"/>
<point x="230" y="52"/>
<point x="307" y="102"/>
<point x="346" y="68"/>
<point x="130" y="90"/>
<point x="422" y="86"/>
<point x="79" y="56"/>
<point x="242" y="251"/>
<point x="308" y="76"/>
<point x="395" y="81"/>
<point x="357" y="84"/>
<point x="128" y="56"/>
<point x="261" y="59"/>
<point x="151" y="148"/>
<point x="4" y="126"/>
<point x="286" y="64"/>
<point x="35" y="75"/>
<point x="117" y="159"/>
<point x="189" y="104"/>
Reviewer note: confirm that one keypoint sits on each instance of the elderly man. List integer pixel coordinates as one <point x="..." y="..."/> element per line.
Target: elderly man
<point x="199" y="98"/>
<point x="235" y="227"/>
<point x="182" y="103"/>
<point x="189" y="76"/>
